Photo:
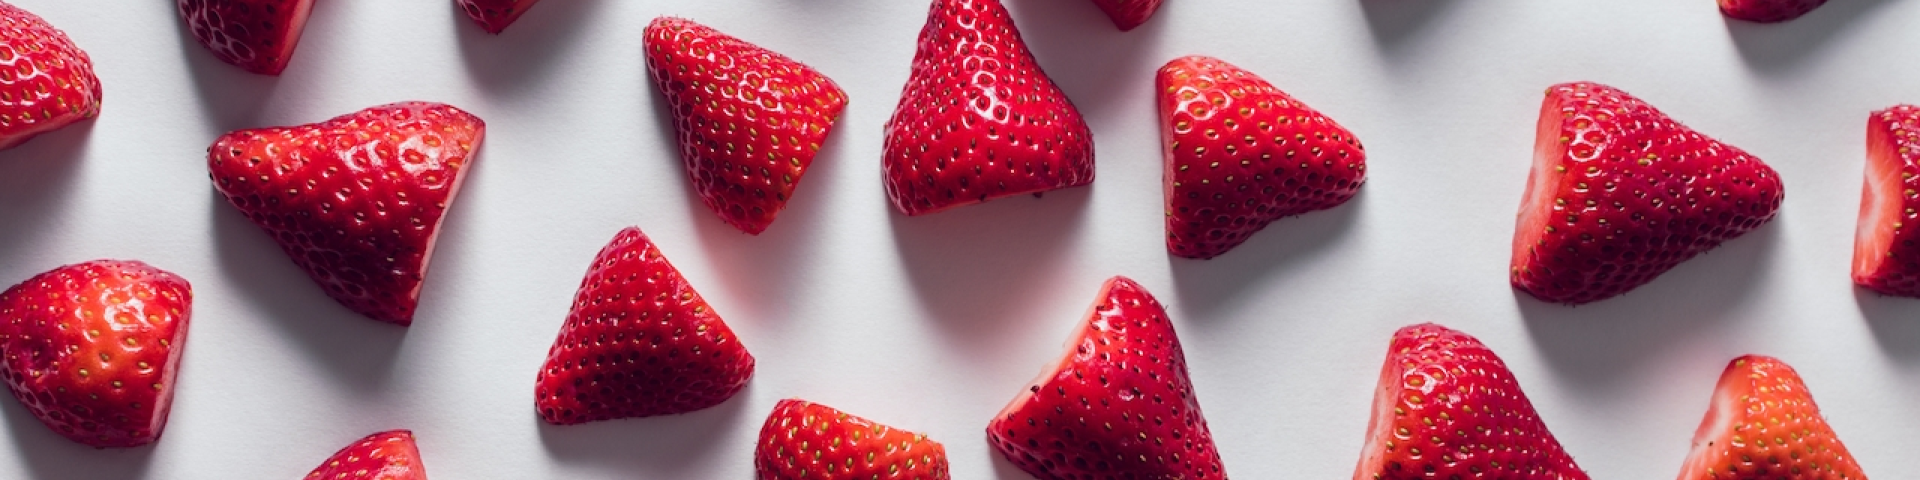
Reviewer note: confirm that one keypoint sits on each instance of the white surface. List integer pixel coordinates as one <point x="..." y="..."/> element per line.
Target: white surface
<point x="933" y="323"/>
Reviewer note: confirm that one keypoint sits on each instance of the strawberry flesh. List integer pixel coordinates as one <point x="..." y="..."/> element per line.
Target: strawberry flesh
<point x="1768" y="11"/>
<point x="388" y="455"/>
<point x="803" y="440"/>
<point x="1763" y="425"/>
<point x="1886" y="253"/>
<point x="1128" y="14"/>
<point x="256" y="35"/>
<point x="46" y="82"/>
<point x="495" y="15"/>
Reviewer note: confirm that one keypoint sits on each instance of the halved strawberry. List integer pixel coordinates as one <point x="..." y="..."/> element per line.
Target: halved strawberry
<point x="46" y="82"/>
<point x="356" y="201"/>
<point x="389" y="455"/>
<point x="639" y="342"/>
<point x="1128" y="14"/>
<point x="803" y="440"/>
<point x="92" y="349"/>
<point x="495" y="15"/>
<point x="1241" y="154"/>
<point x="1763" y="425"/>
<point x="1886" y="249"/>
<point x="1447" y="407"/>
<point x="1620" y="193"/>
<point x="1118" y="404"/>
<point x="256" y="35"/>
<point x="1768" y="11"/>
<point x="749" y="120"/>
<point x="978" y="119"/>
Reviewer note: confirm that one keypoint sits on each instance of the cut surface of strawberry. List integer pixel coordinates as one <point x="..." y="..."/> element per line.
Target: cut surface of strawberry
<point x="1886" y="248"/>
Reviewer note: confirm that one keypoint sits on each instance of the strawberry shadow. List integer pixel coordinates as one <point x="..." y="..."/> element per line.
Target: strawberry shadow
<point x="230" y="97"/>
<point x="521" y="57"/>
<point x="1395" y="23"/>
<point x="690" y="445"/>
<point x="49" y="456"/>
<point x="1895" y="322"/>
<point x="1006" y="470"/>
<point x="1102" y="70"/>
<point x="37" y="183"/>
<point x="1778" y="47"/>
<point x="1208" y="286"/>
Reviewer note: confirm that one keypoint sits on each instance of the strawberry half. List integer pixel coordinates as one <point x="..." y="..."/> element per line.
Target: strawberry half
<point x="256" y="35"/>
<point x="749" y="121"/>
<point x="356" y="201"/>
<point x="639" y="342"/>
<point x="978" y="119"/>
<point x="1241" y="154"/>
<point x="1128" y="14"/>
<point x="1447" y="407"/>
<point x="1768" y="11"/>
<point x="495" y="15"/>
<point x="805" y="440"/>
<point x="45" y="81"/>
<point x="1620" y="194"/>
<point x="1763" y="425"/>
<point x="92" y="349"/>
<point x="388" y="455"/>
<point x="1886" y="254"/>
<point x="1118" y="404"/>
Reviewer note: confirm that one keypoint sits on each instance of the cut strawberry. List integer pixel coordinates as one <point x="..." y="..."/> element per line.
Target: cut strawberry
<point x="256" y="35"/>
<point x="1763" y="425"/>
<point x="1128" y="14"/>
<point x="49" y="82"/>
<point x="1886" y="245"/>
<point x="1768" y="11"/>
<point x="808" y="441"/>
<point x="388" y="455"/>
<point x="495" y="15"/>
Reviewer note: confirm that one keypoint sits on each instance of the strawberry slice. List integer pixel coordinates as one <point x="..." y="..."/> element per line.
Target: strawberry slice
<point x="92" y="349"/>
<point x="1768" y="11"/>
<point x="978" y="119"/>
<point x="256" y="35"/>
<point x="749" y="121"/>
<point x="1128" y="14"/>
<point x="48" y="81"/>
<point x="1620" y="194"/>
<point x="1118" y="404"/>
<point x="1447" y="407"/>
<point x="1241" y="154"/>
<point x="495" y="15"/>
<point x="1763" y="425"/>
<point x="389" y="455"/>
<point x="804" y="440"/>
<point x="356" y="201"/>
<point x="639" y="342"/>
<point x="1886" y="254"/>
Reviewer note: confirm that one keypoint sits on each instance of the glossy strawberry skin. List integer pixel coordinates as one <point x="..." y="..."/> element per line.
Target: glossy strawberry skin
<point x="495" y="15"/>
<point x="639" y="342"/>
<point x="390" y="455"/>
<point x="978" y="119"/>
<point x="749" y="121"/>
<point x="1241" y="154"/>
<point x="1768" y="11"/>
<point x="1763" y="425"/>
<point x="1128" y="14"/>
<point x="1118" y="404"/>
<point x="356" y="201"/>
<point x="258" y="36"/>
<point x="1447" y="407"/>
<point x="804" y="440"/>
<point x="1886" y="249"/>
<point x="1620" y="193"/>
<point x="46" y="82"/>
<point x="92" y="349"/>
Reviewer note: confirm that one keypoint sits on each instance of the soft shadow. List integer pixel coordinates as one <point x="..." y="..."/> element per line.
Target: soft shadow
<point x="1779" y="46"/>
<point x="671" y="446"/>
<point x="974" y="267"/>
<point x="53" y="457"/>
<point x="1394" y="22"/>
<point x="1078" y="47"/>
<point x="230" y="97"/>
<point x="37" y="184"/>
<point x="1205" y="286"/>
<point x="1006" y="470"/>
<point x="1895" y="322"/>
<point x="522" y="55"/>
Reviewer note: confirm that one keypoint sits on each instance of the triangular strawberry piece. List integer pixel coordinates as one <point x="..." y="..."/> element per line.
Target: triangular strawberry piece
<point x="256" y="35"/>
<point x="1118" y="404"/>
<point x="1886" y="246"/>
<point x="1763" y="425"/>
<point x="495" y="15"/>
<point x="56" y="85"/>
<point x="1128" y="14"/>
<point x="1768" y="11"/>
<point x="804" y="440"/>
<point x="388" y="455"/>
<point x="356" y="201"/>
<point x="639" y="342"/>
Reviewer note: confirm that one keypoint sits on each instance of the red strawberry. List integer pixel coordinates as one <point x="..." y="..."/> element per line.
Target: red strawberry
<point x="1447" y="407"/>
<point x="495" y="15"/>
<point x="256" y="35"/>
<point x="389" y="455"/>
<point x="1241" y="154"/>
<point x="978" y="119"/>
<point x="1886" y="254"/>
<point x="1768" y="11"/>
<point x="1128" y="14"/>
<point x="749" y="120"/>
<point x="1620" y="194"/>
<point x="1117" y="405"/>
<point x="1763" y="425"/>
<point x="45" y="81"/>
<point x="805" y="440"/>
<point x="638" y="343"/>
<point x="93" y="348"/>
<point x="357" y="200"/>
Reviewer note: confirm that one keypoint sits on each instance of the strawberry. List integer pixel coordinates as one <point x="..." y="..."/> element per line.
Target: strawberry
<point x="255" y="35"/>
<point x="389" y="455"/>
<point x="92" y="349"/>
<point x="1128" y="14"/>
<point x="1241" y="154"/>
<point x="805" y="440"/>
<point x="978" y="119"/>
<point x="495" y="15"/>
<point x="356" y="201"/>
<point x="1620" y="194"/>
<point x="1117" y="404"/>
<point x="639" y="342"/>
<point x="749" y="120"/>
<point x="45" y="81"/>
<point x="1763" y="425"/>
<point x="1447" y="407"/>
<point x="1768" y="11"/>
<point x="1886" y="254"/>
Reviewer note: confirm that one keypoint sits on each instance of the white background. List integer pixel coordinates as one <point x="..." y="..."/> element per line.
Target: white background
<point x="933" y="323"/>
